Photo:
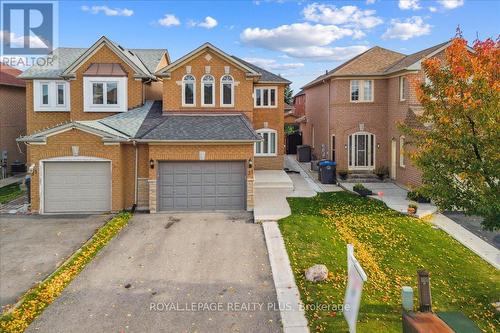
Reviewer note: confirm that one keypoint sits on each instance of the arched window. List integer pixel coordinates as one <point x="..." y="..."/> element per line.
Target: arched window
<point x="207" y="90"/>
<point x="269" y="144"/>
<point x="227" y="91"/>
<point x="188" y="90"/>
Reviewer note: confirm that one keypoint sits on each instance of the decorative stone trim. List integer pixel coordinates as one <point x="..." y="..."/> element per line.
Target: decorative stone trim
<point x="152" y="195"/>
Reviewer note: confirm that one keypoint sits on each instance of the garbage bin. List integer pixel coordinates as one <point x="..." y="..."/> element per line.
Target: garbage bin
<point x="304" y="153"/>
<point x="27" y="182"/>
<point x="327" y="171"/>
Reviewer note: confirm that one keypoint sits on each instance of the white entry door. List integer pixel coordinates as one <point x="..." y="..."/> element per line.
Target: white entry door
<point x="361" y="151"/>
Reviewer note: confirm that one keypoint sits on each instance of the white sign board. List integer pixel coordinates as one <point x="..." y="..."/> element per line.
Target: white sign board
<point x="356" y="276"/>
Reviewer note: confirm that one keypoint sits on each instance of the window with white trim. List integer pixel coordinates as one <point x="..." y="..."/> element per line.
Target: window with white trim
<point x="227" y="91"/>
<point x="361" y="90"/>
<point x="265" y="97"/>
<point x="207" y="90"/>
<point x="402" y="151"/>
<point x="402" y="88"/>
<point x="269" y="144"/>
<point x="51" y="95"/>
<point x="105" y="94"/>
<point x="188" y="90"/>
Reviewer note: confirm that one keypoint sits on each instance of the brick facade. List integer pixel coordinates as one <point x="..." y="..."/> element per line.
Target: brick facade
<point x="12" y="122"/>
<point x="123" y="155"/>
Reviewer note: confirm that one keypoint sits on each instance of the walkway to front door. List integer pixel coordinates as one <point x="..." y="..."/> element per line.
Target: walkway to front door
<point x="361" y="151"/>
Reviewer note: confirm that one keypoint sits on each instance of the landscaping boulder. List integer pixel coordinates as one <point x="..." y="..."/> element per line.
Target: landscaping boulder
<point x="317" y="273"/>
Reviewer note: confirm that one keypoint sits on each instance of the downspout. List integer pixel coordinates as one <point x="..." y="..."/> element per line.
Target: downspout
<point x="328" y="117"/>
<point x="135" y="175"/>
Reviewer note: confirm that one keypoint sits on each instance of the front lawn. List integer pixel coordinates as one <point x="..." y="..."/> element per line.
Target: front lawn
<point x="10" y="192"/>
<point x="390" y="247"/>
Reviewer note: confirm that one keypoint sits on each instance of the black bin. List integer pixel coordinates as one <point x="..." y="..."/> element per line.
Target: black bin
<point x="304" y="153"/>
<point x="327" y="172"/>
<point x="27" y="182"/>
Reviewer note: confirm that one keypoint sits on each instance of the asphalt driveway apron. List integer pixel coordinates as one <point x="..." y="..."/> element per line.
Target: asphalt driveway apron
<point x="192" y="272"/>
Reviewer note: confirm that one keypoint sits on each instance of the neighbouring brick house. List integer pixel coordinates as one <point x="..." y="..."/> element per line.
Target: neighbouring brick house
<point x="12" y="117"/>
<point x="112" y="127"/>
<point x="352" y="111"/>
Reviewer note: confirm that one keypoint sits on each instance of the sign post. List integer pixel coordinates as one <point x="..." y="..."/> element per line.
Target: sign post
<point x="356" y="276"/>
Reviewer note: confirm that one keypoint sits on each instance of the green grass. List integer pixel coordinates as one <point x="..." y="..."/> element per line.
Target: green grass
<point x="39" y="297"/>
<point x="391" y="247"/>
<point x="9" y="193"/>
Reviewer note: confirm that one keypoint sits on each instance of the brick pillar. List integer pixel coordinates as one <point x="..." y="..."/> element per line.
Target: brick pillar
<point x="250" y="195"/>
<point x="152" y="195"/>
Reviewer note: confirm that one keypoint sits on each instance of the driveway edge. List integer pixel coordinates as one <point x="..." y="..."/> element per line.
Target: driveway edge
<point x="291" y="308"/>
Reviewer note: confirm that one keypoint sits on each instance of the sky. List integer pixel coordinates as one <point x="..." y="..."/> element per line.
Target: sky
<point x="297" y="39"/>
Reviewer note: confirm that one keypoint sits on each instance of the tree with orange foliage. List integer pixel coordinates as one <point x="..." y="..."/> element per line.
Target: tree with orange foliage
<point x="458" y="151"/>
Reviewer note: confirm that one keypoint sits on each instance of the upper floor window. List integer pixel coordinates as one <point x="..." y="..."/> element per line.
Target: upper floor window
<point x="105" y="94"/>
<point x="402" y="88"/>
<point x="227" y="90"/>
<point x="207" y="90"/>
<point x="188" y="90"/>
<point x="361" y="90"/>
<point x="265" y="97"/>
<point x="51" y="95"/>
<point x="269" y="145"/>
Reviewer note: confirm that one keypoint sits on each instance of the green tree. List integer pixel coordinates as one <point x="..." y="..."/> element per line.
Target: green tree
<point x="458" y="151"/>
<point x="288" y="95"/>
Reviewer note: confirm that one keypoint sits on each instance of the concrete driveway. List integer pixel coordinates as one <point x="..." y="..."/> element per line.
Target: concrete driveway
<point x="203" y="272"/>
<point x="32" y="247"/>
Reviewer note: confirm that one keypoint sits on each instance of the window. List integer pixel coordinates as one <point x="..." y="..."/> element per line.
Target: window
<point x="207" y="90"/>
<point x="402" y="88"/>
<point x="265" y="97"/>
<point x="105" y="94"/>
<point x="402" y="151"/>
<point x="60" y="93"/>
<point x="50" y="95"/>
<point x="227" y="90"/>
<point x="268" y="145"/>
<point x="188" y="90"/>
<point x="361" y="90"/>
<point x="108" y="98"/>
<point x="45" y="94"/>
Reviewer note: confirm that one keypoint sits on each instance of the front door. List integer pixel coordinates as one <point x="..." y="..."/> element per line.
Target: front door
<point x="393" y="159"/>
<point x="361" y="151"/>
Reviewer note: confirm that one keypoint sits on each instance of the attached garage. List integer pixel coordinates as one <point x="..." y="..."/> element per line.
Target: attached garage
<point x="76" y="186"/>
<point x="201" y="185"/>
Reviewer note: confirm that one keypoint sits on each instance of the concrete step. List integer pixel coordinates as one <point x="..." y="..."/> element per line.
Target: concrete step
<point x="362" y="177"/>
<point x="272" y="179"/>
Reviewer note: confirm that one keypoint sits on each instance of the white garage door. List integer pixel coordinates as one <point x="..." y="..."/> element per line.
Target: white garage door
<point x="77" y="187"/>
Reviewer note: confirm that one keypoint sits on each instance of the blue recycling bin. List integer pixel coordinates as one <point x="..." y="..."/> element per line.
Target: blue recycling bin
<point x="327" y="172"/>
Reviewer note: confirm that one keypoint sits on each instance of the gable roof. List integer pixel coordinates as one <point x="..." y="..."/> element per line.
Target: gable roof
<point x="126" y="55"/>
<point x="64" y="57"/>
<point x="379" y="61"/>
<point x="415" y="57"/>
<point x="165" y="71"/>
<point x="266" y="76"/>
<point x="8" y="76"/>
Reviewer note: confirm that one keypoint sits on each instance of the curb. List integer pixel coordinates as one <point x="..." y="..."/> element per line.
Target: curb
<point x="291" y="308"/>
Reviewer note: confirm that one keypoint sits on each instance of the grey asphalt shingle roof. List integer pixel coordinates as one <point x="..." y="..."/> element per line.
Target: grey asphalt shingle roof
<point x="413" y="58"/>
<point x="266" y="76"/>
<point x="197" y="127"/>
<point x="63" y="57"/>
<point x="128" y="122"/>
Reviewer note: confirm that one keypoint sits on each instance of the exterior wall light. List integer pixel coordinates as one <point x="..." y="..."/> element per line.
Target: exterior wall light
<point x="250" y="164"/>
<point x="151" y="163"/>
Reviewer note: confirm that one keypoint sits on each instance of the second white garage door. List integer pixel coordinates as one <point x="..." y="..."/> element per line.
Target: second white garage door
<point x="188" y="186"/>
<point x="77" y="187"/>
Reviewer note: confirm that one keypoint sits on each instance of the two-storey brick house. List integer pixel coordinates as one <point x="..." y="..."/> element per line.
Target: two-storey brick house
<point x="353" y="111"/>
<point x="111" y="128"/>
